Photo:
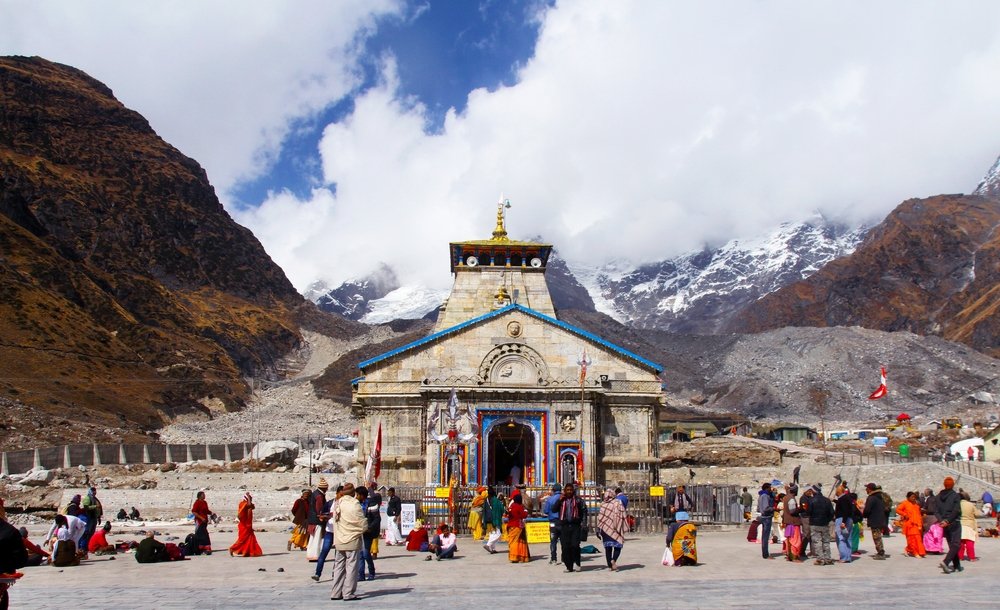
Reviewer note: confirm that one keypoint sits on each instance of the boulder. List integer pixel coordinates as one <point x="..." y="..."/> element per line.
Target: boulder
<point x="276" y="452"/>
<point x="37" y="478"/>
<point x="982" y="398"/>
<point x="327" y="460"/>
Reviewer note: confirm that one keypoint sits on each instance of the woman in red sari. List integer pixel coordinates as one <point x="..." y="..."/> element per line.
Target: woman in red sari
<point x="246" y="544"/>
<point x="202" y="514"/>
<point x="517" y="540"/>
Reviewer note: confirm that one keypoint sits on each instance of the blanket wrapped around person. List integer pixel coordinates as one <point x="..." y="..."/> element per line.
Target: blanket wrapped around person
<point x="682" y="546"/>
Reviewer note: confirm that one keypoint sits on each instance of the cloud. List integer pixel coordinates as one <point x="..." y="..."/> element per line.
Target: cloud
<point x="219" y="80"/>
<point x="642" y="130"/>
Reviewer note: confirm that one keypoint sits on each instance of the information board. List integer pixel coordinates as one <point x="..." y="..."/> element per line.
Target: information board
<point x="407" y="518"/>
<point x="537" y="531"/>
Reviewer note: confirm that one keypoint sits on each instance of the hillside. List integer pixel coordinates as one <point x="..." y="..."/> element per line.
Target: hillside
<point x="128" y="296"/>
<point x="932" y="267"/>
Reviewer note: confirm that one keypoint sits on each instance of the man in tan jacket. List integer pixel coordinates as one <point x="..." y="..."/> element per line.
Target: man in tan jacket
<point x="349" y="526"/>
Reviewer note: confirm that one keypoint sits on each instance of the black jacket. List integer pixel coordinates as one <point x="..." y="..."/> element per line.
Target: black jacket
<point x="875" y="511"/>
<point x="845" y="506"/>
<point x="580" y="517"/>
<point x="12" y="552"/>
<point x="819" y="509"/>
<point x="394" y="507"/>
<point x="949" y="506"/>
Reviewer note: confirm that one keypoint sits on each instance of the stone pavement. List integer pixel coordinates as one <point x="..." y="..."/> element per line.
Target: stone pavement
<point x="732" y="574"/>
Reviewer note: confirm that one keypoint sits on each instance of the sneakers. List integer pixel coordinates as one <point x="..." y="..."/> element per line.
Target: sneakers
<point x="428" y="558"/>
<point x="552" y="561"/>
<point x="945" y="568"/>
<point x="880" y="557"/>
<point x="314" y="577"/>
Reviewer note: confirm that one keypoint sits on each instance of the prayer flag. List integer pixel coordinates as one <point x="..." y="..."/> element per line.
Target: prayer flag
<point x="882" y="390"/>
<point x="374" y="466"/>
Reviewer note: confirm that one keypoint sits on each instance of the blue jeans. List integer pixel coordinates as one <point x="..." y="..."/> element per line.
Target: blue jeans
<point x="765" y="535"/>
<point x="324" y="551"/>
<point x="366" y="558"/>
<point x="448" y="554"/>
<point x="843" y="527"/>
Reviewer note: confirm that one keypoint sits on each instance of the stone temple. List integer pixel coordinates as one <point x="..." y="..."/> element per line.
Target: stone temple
<point x="502" y="391"/>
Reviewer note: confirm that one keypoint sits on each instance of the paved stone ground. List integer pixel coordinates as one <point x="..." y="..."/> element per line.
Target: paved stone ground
<point x="732" y="574"/>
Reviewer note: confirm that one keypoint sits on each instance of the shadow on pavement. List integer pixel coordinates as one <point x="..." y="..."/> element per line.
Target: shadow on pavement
<point x="381" y="592"/>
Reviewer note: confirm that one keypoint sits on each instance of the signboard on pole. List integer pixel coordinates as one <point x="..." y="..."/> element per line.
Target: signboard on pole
<point x="407" y="518"/>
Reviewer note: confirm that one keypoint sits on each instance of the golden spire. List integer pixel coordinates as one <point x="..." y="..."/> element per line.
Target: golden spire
<point x="500" y="232"/>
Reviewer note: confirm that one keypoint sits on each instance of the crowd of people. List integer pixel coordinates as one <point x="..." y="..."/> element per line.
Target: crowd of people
<point x="806" y="525"/>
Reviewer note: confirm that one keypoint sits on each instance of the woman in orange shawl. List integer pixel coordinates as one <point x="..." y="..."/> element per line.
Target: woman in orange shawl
<point x="913" y="525"/>
<point x="246" y="542"/>
<point x="476" y="514"/>
<point x="517" y="539"/>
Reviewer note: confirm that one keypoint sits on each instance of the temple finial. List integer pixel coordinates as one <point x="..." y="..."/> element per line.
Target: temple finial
<point x="500" y="232"/>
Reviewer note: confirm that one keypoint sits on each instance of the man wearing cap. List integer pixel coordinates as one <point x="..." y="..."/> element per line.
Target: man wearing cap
<point x="553" y="517"/>
<point x="949" y="513"/>
<point x="316" y="519"/>
<point x="820" y="513"/>
<point x="876" y="515"/>
<point x="349" y="526"/>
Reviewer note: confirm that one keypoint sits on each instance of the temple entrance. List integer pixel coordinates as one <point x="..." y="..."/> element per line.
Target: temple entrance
<point x="512" y="453"/>
<point x="567" y="468"/>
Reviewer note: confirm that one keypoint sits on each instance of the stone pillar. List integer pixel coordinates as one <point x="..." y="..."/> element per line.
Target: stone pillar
<point x="229" y="457"/>
<point x="67" y="463"/>
<point x="38" y="460"/>
<point x="189" y="457"/>
<point x="122" y="459"/>
<point x="4" y="467"/>
<point x="97" y="456"/>
<point x="145" y="454"/>
<point x="168" y="455"/>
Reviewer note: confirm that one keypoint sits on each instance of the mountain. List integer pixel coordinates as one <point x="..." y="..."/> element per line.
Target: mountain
<point x="931" y="267"/>
<point x="128" y="296"/>
<point x="989" y="186"/>
<point x="699" y="291"/>
<point x="353" y="298"/>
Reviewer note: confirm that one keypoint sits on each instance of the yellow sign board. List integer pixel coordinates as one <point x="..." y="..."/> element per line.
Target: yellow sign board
<point x="656" y="490"/>
<point x="442" y="492"/>
<point x="537" y="531"/>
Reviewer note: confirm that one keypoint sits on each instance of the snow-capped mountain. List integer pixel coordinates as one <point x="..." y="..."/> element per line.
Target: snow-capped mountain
<point x="693" y="293"/>
<point x="698" y="291"/>
<point x="353" y="299"/>
<point x="990" y="185"/>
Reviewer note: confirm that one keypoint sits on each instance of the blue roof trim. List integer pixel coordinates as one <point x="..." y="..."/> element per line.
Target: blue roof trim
<point x="357" y="379"/>
<point x="514" y="307"/>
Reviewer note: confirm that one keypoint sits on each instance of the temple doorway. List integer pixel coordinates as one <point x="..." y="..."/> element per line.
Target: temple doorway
<point x="512" y="453"/>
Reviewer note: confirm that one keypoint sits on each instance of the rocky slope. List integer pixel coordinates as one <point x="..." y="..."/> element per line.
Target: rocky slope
<point x="931" y="267"/>
<point x="128" y="296"/>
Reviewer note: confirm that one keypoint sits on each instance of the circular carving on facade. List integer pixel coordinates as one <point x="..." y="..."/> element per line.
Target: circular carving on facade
<point x="514" y="329"/>
<point x="513" y="364"/>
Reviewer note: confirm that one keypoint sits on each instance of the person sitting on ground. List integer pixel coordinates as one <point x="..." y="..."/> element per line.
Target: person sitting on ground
<point x="151" y="550"/>
<point x="417" y="540"/>
<point x="36" y="554"/>
<point x="62" y="539"/>
<point x="98" y="543"/>
<point x="134" y="514"/>
<point x="444" y="544"/>
<point x="122" y="515"/>
<point x="681" y="539"/>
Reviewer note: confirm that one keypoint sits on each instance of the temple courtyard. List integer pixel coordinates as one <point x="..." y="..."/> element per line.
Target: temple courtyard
<point x="732" y="574"/>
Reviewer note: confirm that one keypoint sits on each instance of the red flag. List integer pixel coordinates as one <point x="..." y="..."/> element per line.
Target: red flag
<point x="882" y="390"/>
<point x="374" y="466"/>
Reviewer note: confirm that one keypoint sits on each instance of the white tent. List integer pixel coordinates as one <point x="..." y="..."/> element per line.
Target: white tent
<point x="962" y="448"/>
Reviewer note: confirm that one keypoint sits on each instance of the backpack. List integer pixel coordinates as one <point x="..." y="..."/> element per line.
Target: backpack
<point x="887" y="501"/>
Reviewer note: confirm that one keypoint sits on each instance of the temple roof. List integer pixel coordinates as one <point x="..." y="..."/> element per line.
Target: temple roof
<point x="656" y="368"/>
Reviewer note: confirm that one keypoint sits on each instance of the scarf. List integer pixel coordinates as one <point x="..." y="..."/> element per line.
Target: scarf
<point x="570" y="510"/>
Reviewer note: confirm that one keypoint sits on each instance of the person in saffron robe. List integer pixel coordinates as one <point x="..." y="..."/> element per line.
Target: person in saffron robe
<point x="300" y="514"/>
<point x="681" y="538"/>
<point x="246" y="542"/>
<point x="203" y="544"/>
<point x="913" y="525"/>
<point x="612" y="523"/>
<point x="476" y="514"/>
<point x="516" y="535"/>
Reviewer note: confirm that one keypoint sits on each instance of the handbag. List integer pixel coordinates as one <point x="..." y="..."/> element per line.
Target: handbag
<point x="584" y="532"/>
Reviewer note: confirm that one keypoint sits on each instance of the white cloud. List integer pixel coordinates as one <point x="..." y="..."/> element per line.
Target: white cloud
<point x="219" y="80"/>
<point x="638" y="129"/>
<point x="644" y="129"/>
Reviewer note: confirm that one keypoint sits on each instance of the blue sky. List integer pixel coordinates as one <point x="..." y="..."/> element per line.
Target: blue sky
<point x="354" y="133"/>
<point x="443" y="51"/>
